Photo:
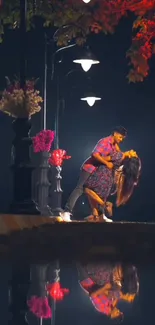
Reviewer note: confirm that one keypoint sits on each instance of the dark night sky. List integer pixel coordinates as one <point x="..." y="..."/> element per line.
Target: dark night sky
<point x="131" y="105"/>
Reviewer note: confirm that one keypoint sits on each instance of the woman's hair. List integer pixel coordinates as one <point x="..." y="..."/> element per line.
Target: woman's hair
<point x="130" y="281"/>
<point x="127" y="179"/>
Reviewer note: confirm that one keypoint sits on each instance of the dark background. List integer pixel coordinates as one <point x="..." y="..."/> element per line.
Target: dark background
<point x="131" y="105"/>
<point x="81" y="126"/>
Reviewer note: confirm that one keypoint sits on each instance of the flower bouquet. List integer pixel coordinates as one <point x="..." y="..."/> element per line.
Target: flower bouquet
<point x="42" y="142"/>
<point x="39" y="306"/>
<point x="18" y="102"/>
<point x="38" y="303"/>
<point x="57" y="157"/>
<point x="56" y="292"/>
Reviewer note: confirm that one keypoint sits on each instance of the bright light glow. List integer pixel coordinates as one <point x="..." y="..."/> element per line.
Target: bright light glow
<point x="91" y="100"/>
<point x="86" y="1"/>
<point x="86" y="63"/>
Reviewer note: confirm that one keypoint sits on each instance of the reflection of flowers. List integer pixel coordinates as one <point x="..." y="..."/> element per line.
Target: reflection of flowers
<point x="57" y="157"/>
<point x="56" y="292"/>
<point x="39" y="306"/>
<point x="42" y="142"/>
<point x="18" y="102"/>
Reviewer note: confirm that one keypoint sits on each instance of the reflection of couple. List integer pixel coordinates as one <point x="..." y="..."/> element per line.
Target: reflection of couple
<point x="107" y="284"/>
<point x="106" y="169"/>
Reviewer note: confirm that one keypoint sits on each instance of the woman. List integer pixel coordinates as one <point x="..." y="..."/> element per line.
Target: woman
<point x="124" y="175"/>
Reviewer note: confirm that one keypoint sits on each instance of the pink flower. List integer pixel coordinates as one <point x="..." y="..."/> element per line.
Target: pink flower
<point x="42" y="142"/>
<point x="39" y="306"/>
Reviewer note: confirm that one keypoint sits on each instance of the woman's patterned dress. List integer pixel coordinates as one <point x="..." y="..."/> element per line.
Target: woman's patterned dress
<point x="102" y="180"/>
<point x="100" y="274"/>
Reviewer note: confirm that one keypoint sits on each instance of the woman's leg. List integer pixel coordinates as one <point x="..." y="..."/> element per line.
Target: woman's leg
<point x="93" y="205"/>
<point x="95" y="200"/>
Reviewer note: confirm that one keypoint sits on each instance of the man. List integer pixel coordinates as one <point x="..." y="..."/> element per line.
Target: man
<point x="100" y="155"/>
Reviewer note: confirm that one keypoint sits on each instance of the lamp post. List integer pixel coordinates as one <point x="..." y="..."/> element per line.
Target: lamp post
<point x="86" y="61"/>
<point x="18" y="291"/>
<point x="43" y="183"/>
<point x="57" y="92"/>
<point x="56" y="190"/>
<point x="53" y="301"/>
<point x="22" y="168"/>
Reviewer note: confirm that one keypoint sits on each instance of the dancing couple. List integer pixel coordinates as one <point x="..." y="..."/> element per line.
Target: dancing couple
<point x="108" y="171"/>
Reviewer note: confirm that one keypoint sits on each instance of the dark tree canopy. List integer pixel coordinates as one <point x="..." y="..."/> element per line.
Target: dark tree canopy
<point x="75" y="19"/>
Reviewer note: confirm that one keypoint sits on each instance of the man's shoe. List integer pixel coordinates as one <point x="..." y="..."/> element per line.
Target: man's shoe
<point x="66" y="216"/>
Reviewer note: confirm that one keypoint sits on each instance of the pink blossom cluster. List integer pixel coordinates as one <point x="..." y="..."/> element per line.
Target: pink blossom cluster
<point x="39" y="306"/>
<point x="43" y="141"/>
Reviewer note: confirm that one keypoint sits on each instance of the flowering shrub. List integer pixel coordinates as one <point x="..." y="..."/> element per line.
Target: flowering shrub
<point x="18" y="102"/>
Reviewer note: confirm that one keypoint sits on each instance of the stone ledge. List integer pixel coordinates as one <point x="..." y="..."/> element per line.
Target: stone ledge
<point x="41" y="239"/>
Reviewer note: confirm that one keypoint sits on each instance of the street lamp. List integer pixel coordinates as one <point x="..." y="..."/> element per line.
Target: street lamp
<point x="57" y="193"/>
<point x="57" y="92"/>
<point x="90" y="98"/>
<point x="87" y="60"/>
<point x="86" y="1"/>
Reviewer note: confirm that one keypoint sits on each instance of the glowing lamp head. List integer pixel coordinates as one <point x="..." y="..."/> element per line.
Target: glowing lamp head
<point x="86" y="60"/>
<point x="86" y="1"/>
<point x="91" y="99"/>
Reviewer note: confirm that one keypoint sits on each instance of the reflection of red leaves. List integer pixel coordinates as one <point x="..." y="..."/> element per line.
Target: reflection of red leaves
<point x="56" y="292"/>
<point x="39" y="307"/>
<point x="57" y="157"/>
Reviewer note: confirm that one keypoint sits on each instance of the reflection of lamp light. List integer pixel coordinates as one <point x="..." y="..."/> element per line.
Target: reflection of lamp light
<point x="86" y="1"/>
<point x="90" y="99"/>
<point x="86" y="60"/>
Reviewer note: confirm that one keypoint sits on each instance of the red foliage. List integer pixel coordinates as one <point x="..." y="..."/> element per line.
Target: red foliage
<point x="75" y="19"/>
<point x="105" y="16"/>
<point x="39" y="307"/>
<point x="57" y="157"/>
<point x="142" y="48"/>
<point x="42" y="142"/>
<point x="56" y="292"/>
